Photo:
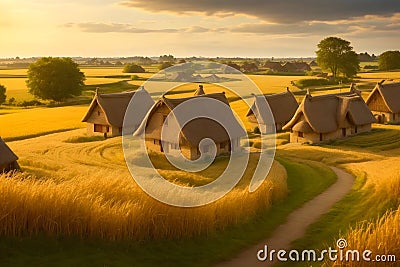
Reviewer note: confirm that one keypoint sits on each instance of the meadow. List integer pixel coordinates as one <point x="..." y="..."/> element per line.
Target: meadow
<point x="91" y="204"/>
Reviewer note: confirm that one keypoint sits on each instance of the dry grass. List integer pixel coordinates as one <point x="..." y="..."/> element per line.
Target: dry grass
<point x="381" y="237"/>
<point x="108" y="204"/>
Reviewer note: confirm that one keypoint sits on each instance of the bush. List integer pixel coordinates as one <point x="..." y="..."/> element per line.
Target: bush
<point x="371" y="67"/>
<point x="257" y="130"/>
<point x="133" y="68"/>
<point x="30" y="103"/>
<point x="303" y="83"/>
<point x="165" y="65"/>
<point x="134" y="77"/>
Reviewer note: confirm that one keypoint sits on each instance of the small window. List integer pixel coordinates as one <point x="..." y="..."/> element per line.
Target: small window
<point x="107" y="129"/>
<point x="355" y="129"/>
<point x="320" y="137"/>
<point x="98" y="113"/>
<point x="300" y="134"/>
<point x="221" y="145"/>
<point x="344" y="132"/>
<point x="154" y="141"/>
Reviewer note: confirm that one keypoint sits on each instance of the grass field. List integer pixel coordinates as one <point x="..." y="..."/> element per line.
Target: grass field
<point x="38" y="121"/>
<point x="304" y="182"/>
<point x="372" y="158"/>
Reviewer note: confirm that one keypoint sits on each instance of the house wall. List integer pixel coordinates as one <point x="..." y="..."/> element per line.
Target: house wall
<point x="111" y="132"/>
<point x="386" y="117"/>
<point x="316" y="138"/>
<point x="376" y="103"/>
<point x="97" y="116"/>
<point x="190" y="152"/>
<point x="9" y="167"/>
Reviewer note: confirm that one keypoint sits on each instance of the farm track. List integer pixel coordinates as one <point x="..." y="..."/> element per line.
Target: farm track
<point x="297" y="222"/>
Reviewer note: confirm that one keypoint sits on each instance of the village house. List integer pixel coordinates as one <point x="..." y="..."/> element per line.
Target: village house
<point x="283" y="106"/>
<point x="384" y="102"/>
<point x="192" y="133"/>
<point x="106" y="112"/>
<point x="327" y="117"/>
<point x="8" y="160"/>
<point x="273" y="66"/>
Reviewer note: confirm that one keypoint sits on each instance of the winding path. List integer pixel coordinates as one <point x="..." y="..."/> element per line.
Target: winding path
<point x="297" y="222"/>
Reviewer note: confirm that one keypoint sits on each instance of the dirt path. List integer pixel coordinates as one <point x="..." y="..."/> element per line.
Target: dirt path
<point x="297" y="222"/>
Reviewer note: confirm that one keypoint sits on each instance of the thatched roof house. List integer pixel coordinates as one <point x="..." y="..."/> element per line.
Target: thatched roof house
<point x="302" y="66"/>
<point x="384" y="102"/>
<point x="106" y="112"/>
<point x="327" y="117"/>
<point x="273" y="66"/>
<point x="194" y="131"/>
<point x="8" y="160"/>
<point x="283" y="106"/>
<point x="296" y="67"/>
<point x="313" y="63"/>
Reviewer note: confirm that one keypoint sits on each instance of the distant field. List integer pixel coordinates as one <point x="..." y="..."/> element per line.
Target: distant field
<point x="16" y="87"/>
<point x="39" y="121"/>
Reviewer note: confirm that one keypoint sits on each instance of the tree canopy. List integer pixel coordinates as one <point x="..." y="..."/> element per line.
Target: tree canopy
<point x="389" y="60"/>
<point x="165" y="65"/>
<point x="338" y="56"/>
<point x="133" y="68"/>
<point x="2" y="94"/>
<point x="55" y="78"/>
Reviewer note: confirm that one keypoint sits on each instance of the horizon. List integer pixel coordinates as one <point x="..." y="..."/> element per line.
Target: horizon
<point x="229" y="29"/>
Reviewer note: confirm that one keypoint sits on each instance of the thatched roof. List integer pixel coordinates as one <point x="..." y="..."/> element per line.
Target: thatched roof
<point x="390" y="94"/>
<point x="283" y="106"/>
<point x="6" y="155"/>
<point x="328" y="113"/>
<point x="302" y="66"/>
<point x="199" y="128"/>
<point x="275" y="66"/>
<point x="114" y="105"/>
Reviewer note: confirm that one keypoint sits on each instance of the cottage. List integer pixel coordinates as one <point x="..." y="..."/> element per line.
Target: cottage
<point x="283" y="106"/>
<point x="313" y="63"/>
<point x="273" y="66"/>
<point x="8" y="160"/>
<point x="193" y="132"/>
<point x="106" y="112"/>
<point x="327" y="117"/>
<point x="384" y="102"/>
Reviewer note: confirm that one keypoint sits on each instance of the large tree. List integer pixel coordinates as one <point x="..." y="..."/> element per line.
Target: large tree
<point x="2" y="94"/>
<point x="389" y="60"/>
<point x="338" y="56"/>
<point x="55" y="78"/>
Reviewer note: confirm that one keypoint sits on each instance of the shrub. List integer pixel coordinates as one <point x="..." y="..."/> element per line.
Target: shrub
<point x="133" y="68"/>
<point x="303" y="83"/>
<point x="30" y="103"/>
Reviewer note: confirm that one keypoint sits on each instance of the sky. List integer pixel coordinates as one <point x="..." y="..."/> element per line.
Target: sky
<point x="184" y="28"/>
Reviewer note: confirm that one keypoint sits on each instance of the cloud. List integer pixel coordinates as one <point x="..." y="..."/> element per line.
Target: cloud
<point x="371" y="26"/>
<point x="282" y="11"/>
<point x="95" y="27"/>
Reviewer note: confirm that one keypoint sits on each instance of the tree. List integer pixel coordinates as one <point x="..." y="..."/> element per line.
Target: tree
<point x="165" y="65"/>
<point x="133" y="68"/>
<point x="389" y="60"/>
<point x="55" y="78"/>
<point x="337" y="55"/>
<point x="2" y="94"/>
<point x="249" y="67"/>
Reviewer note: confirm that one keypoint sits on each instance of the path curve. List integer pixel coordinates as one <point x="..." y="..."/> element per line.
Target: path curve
<point x="297" y="222"/>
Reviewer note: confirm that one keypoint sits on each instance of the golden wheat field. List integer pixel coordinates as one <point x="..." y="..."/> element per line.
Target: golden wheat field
<point x="37" y="121"/>
<point x="86" y="191"/>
